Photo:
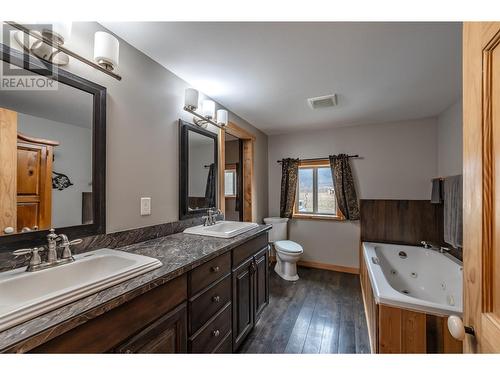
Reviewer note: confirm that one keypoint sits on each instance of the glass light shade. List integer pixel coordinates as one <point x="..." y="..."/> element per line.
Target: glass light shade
<point x="106" y="49"/>
<point x="191" y="99"/>
<point x="208" y="109"/>
<point x="222" y="117"/>
<point x="61" y="31"/>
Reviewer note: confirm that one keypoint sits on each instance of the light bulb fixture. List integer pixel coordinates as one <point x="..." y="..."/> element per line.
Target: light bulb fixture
<point x="48" y="45"/>
<point x="106" y="50"/>
<point x="222" y="117"/>
<point x="191" y="99"/>
<point x="208" y="109"/>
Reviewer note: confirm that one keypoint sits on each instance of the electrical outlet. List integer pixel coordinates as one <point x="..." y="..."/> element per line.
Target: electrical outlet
<point x="145" y="206"/>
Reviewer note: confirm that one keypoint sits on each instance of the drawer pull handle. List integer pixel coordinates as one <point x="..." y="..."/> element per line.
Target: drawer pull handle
<point x="216" y="333"/>
<point x="215" y="269"/>
<point x="216" y="299"/>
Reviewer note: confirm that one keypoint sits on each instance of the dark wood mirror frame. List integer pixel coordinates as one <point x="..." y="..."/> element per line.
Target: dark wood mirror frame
<point x="184" y="129"/>
<point x="27" y="62"/>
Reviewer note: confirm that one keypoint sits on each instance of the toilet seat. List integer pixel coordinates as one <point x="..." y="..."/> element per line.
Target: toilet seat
<point x="288" y="247"/>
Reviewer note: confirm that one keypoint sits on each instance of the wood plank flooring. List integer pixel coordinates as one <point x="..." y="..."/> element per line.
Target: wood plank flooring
<point x="322" y="312"/>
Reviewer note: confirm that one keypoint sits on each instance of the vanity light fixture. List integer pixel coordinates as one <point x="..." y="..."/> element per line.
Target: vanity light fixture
<point x="207" y="110"/>
<point x="49" y="46"/>
<point x="191" y="99"/>
<point x="106" y="50"/>
<point x="222" y="117"/>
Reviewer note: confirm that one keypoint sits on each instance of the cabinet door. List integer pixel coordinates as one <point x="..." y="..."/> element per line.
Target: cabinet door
<point x="243" y="301"/>
<point x="167" y="335"/>
<point x="261" y="281"/>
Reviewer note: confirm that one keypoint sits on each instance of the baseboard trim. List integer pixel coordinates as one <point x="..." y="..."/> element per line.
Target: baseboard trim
<point x="323" y="266"/>
<point x="329" y="267"/>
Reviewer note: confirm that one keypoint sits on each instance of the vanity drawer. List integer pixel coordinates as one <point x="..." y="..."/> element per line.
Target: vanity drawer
<point x="246" y="250"/>
<point x="207" y="273"/>
<point x="204" y="306"/>
<point x="210" y="336"/>
<point x="226" y="345"/>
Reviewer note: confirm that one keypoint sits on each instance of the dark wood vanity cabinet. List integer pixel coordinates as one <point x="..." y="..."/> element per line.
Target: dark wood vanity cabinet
<point x="243" y="301"/>
<point x="250" y="286"/>
<point x="165" y="336"/>
<point x="211" y="309"/>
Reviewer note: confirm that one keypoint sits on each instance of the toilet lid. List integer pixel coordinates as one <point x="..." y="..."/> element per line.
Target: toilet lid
<point x="288" y="247"/>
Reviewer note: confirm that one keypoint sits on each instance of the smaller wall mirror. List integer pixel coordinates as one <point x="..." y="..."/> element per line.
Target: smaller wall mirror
<point x="198" y="170"/>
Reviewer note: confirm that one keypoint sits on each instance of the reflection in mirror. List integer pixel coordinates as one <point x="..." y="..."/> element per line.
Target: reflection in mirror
<point x="202" y="172"/>
<point x="46" y="149"/>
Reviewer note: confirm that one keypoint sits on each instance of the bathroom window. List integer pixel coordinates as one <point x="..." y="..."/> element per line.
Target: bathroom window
<point x="230" y="182"/>
<point x="315" y="192"/>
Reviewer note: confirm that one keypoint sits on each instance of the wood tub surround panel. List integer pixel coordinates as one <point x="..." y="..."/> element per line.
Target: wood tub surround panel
<point x="395" y="330"/>
<point x="405" y="222"/>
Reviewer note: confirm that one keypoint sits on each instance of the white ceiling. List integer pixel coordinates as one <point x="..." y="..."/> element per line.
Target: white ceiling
<point x="264" y="72"/>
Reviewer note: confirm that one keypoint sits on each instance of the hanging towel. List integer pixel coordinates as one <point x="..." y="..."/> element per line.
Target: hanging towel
<point x="452" y="189"/>
<point x="437" y="191"/>
<point x="211" y="186"/>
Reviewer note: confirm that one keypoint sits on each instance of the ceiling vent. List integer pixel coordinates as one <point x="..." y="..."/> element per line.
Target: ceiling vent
<point x="323" y="101"/>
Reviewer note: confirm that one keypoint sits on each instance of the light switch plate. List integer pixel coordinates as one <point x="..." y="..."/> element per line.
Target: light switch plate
<point x="145" y="206"/>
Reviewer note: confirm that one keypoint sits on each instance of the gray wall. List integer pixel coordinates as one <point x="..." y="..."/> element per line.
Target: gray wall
<point x="398" y="161"/>
<point x="450" y="142"/>
<point x="73" y="157"/>
<point x="142" y="135"/>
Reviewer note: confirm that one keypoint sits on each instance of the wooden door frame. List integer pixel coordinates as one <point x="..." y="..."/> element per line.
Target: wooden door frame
<point x="248" y="140"/>
<point x="478" y="191"/>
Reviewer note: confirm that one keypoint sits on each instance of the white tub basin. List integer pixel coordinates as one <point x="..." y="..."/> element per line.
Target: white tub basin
<point x="223" y="229"/>
<point x="25" y="295"/>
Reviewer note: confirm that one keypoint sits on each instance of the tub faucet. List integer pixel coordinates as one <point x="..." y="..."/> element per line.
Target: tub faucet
<point x="426" y="245"/>
<point x="444" y="250"/>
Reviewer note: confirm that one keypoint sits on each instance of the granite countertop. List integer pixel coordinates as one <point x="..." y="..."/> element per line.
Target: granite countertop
<point x="178" y="253"/>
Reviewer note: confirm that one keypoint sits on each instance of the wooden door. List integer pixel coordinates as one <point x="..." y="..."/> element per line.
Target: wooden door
<point x="168" y="335"/>
<point x="243" y="301"/>
<point x="8" y="175"/>
<point x="261" y="281"/>
<point x="34" y="182"/>
<point x="481" y="95"/>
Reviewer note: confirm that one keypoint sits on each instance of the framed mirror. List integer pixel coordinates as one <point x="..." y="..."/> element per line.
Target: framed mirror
<point x="197" y="170"/>
<point x="52" y="152"/>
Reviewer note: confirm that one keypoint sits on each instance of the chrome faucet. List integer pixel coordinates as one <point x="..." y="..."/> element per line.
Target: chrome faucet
<point x="426" y="245"/>
<point x="36" y="264"/>
<point x="211" y="218"/>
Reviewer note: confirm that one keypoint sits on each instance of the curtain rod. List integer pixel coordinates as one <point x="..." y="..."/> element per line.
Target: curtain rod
<point x="314" y="159"/>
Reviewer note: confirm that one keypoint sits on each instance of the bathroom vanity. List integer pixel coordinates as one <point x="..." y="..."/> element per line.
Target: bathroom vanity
<point x="205" y="298"/>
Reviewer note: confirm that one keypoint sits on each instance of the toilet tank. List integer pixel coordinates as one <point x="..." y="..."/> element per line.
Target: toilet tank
<point x="278" y="231"/>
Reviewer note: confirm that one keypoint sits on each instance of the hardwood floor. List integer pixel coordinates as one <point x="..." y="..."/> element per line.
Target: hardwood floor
<point x="320" y="313"/>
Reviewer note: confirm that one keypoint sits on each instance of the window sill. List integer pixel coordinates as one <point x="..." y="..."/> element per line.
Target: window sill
<point x="317" y="217"/>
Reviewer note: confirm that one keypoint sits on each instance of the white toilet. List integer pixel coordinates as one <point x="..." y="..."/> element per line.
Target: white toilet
<point x="287" y="252"/>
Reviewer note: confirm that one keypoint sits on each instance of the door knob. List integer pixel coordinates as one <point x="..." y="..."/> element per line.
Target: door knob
<point x="8" y="230"/>
<point x="457" y="328"/>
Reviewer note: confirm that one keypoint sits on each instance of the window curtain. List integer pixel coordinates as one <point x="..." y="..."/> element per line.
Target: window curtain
<point x="211" y="186"/>
<point x="345" y="191"/>
<point x="289" y="175"/>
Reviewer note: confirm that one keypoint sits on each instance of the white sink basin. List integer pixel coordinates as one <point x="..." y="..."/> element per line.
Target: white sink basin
<point x="223" y="229"/>
<point x="25" y="295"/>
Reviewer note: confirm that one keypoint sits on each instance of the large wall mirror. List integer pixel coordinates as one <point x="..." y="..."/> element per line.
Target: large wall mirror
<point x="198" y="170"/>
<point x="52" y="152"/>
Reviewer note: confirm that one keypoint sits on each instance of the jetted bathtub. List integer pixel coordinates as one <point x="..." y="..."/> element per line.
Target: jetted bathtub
<point x="414" y="278"/>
